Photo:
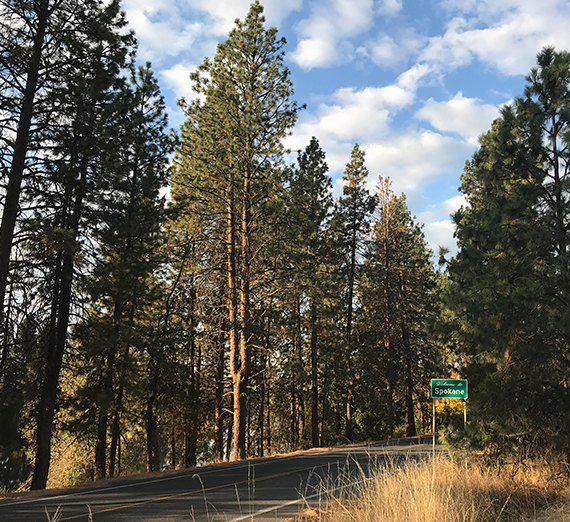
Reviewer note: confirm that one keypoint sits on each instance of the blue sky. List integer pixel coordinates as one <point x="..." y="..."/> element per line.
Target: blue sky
<point x="414" y="82"/>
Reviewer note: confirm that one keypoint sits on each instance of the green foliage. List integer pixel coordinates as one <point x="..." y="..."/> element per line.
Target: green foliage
<point x="398" y="294"/>
<point x="509" y="292"/>
<point x="135" y="329"/>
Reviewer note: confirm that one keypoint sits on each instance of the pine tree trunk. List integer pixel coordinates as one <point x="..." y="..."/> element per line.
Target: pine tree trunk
<point x="410" y="416"/>
<point x="6" y="334"/>
<point x="107" y="394"/>
<point x="229" y="441"/>
<point x="116" y="426"/>
<point x="388" y="349"/>
<point x="235" y="361"/>
<point x="173" y="444"/>
<point x="293" y="412"/>
<point x="57" y="339"/>
<point x="300" y="374"/>
<point x="190" y="458"/>
<point x="261" y="411"/>
<point x="267" y="386"/>
<point x="261" y="417"/>
<point x="16" y="175"/>
<point x="242" y="374"/>
<point x="348" y="352"/>
<point x="153" y="450"/>
<point x="115" y="434"/>
<point x="219" y="398"/>
<point x="314" y="378"/>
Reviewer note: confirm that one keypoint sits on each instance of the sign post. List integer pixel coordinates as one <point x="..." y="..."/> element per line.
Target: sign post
<point x="449" y="389"/>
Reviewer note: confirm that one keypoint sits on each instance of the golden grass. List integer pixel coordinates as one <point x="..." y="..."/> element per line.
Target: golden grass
<point x="443" y="490"/>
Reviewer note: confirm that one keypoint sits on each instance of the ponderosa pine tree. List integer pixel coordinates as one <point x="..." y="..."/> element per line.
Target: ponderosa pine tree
<point x="127" y="234"/>
<point x="233" y="141"/>
<point x="32" y="45"/>
<point x="354" y="212"/>
<point x="312" y="205"/>
<point x="397" y="297"/>
<point x="87" y="88"/>
<point x="510" y="278"/>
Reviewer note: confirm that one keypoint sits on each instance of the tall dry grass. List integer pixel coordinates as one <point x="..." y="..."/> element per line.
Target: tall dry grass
<point x="442" y="490"/>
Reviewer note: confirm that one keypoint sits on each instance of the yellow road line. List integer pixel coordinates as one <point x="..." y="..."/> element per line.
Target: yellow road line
<point x="177" y="495"/>
<point x="203" y="490"/>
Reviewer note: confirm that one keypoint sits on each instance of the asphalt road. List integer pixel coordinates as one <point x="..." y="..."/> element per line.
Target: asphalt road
<point x="261" y="490"/>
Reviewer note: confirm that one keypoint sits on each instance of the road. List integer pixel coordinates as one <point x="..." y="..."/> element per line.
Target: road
<point x="260" y="490"/>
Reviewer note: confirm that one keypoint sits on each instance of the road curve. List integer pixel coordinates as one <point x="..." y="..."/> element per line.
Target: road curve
<point x="260" y="490"/>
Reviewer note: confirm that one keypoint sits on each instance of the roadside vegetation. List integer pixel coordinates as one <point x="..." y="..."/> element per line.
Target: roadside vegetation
<point x="252" y="313"/>
<point x="449" y="490"/>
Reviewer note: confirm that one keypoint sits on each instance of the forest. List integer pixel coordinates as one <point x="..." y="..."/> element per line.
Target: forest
<point x="169" y="299"/>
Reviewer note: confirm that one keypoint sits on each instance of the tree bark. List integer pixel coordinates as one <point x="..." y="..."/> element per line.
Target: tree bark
<point x="104" y="404"/>
<point x="219" y="398"/>
<point x="190" y="457"/>
<point x="314" y="378"/>
<point x="57" y="337"/>
<point x="348" y="351"/>
<point x="153" y="450"/>
<point x="242" y="364"/>
<point x="409" y="379"/>
<point x="17" y="167"/>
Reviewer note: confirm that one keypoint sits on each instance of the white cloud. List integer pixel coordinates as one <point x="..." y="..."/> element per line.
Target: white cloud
<point x="390" y="7"/>
<point x="159" y="28"/>
<point x="438" y="227"/>
<point x="352" y="115"/>
<point x="224" y="12"/>
<point x="442" y="211"/>
<point x="192" y="27"/>
<point x="507" y="35"/>
<point x="412" y="78"/>
<point x="440" y="234"/>
<point x="468" y="117"/>
<point x="415" y="158"/>
<point x="177" y="78"/>
<point x="325" y="36"/>
<point x="385" y="51"/>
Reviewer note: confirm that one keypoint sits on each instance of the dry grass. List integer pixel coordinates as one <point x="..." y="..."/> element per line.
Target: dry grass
<point x="446" y="491"/>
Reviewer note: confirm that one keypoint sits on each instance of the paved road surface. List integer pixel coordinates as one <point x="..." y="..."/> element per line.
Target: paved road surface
<point x="262" y="490"/>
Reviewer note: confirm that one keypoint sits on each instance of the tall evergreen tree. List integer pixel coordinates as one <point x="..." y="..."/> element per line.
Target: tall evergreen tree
<point x="354" y="211"/>
<point x="312" y="205"/>
<point x="86" y="88"/>
<point x="32" y="45"/>
<point x="233" y="140"/>
<point x="510" y="277"/>
<point x="129" y="210"/>
<point x="397" y="293"/>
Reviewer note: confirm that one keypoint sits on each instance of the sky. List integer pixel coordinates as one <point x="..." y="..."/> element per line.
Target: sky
<point x="413" y="82"/>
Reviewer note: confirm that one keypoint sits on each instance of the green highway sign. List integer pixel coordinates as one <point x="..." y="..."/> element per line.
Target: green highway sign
<point x="449" y="389"/>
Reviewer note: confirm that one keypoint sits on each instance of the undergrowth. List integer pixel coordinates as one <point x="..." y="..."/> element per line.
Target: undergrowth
<point x="443" y="490"/>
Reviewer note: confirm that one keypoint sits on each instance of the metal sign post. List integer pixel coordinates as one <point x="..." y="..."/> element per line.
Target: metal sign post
<point x="449" y="389"/>
<point x="433" y="430"/>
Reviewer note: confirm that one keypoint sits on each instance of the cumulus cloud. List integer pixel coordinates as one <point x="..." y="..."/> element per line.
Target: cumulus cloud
<point x="415" y="158"/>
<point x="442" y="211"/>
<point x="191" y="27"/>
<point x="389" y="51"/>
<point x="160" y="29"/>
<point x="507" y="35"/>
<point x="224" y="12"/>
<point x="468" y="117"/>
<point x="177" y="78"/>
<point x="440" y="234"/>
<point x="351" y="115"/>
<point x="325" y="37"/>
<point x="438" y="227"/>
<point x="390" y="7"/>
